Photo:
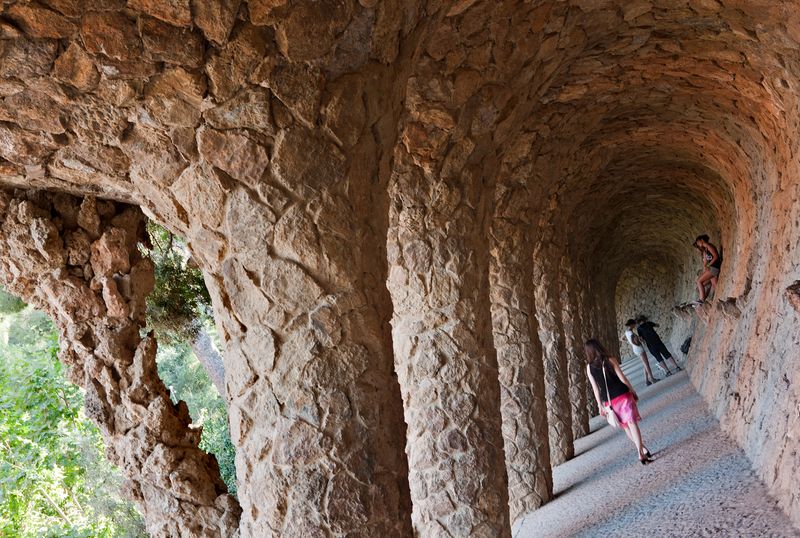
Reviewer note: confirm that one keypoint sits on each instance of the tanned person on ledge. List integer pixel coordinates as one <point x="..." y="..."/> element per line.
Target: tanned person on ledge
<point x="610" y="385"/>
<point x="647" y="332"/>
<point x="638" y="350"/>
<point x="712" y="262"/>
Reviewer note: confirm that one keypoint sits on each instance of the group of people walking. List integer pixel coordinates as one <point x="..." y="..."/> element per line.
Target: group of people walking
<point x="646" y="330"/>
<point x="612" y="389"/>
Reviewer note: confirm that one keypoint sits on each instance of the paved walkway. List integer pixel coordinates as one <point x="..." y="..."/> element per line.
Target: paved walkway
<point x="700" y="483"/>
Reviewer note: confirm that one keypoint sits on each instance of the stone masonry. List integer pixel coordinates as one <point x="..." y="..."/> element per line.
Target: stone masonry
<point x="79" y="261"/>
<point x="409" y="215"/>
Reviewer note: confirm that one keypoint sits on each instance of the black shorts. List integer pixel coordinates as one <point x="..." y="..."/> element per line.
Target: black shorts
<point x="659" y="350"/>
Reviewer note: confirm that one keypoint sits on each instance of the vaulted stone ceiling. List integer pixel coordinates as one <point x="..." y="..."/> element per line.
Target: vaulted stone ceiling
<point x="314" y="153"/>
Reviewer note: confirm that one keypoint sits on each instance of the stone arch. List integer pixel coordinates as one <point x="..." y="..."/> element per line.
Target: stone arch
<point x="312" y="151"/>
<point x="704" y="121"/>
<point x="250" y="128"/>
<point x="79" y="261"/>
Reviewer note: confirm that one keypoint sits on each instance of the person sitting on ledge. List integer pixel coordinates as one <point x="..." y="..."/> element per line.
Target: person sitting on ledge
<point x="712" y="262"/>
<point x="655" y="345"/>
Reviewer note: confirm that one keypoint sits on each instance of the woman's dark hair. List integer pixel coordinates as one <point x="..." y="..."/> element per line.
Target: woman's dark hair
<point x="595" y="352"/>
<point x="704" y="237"/>
<point x="630" y="322"/>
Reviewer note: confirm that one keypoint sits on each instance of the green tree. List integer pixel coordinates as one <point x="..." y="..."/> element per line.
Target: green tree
<point x="10" y="304"/>
<point x="54" y="478"/>
<point x="178" y="310"/>
<point x="179" y="306"/>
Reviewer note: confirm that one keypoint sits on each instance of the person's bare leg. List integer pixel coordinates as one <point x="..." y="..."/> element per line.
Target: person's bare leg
<point x="629" y="435"/>
<point x="647" y="371"/>
<point x="636" y="437"/>
<point x="633" y="440"/>
<point x="674" y="362"/>
<point x="701" y="290"/>
<point x="701" y="284"/>
<point x="714" y="281"/>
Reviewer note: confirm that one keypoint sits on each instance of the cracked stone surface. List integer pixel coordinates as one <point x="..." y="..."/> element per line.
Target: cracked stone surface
<point x="520" y="365"/>
<point x="79" y="261"/>
<point x="335" y="164"/>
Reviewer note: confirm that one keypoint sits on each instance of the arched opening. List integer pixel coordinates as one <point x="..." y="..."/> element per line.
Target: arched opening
<point x="628" y="156"/>
<point x="397" y="205"/>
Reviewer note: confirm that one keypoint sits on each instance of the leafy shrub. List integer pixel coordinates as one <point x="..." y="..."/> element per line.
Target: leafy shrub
<point x="10" y="304"/>
<point x="187" y="380"/>
<point x="54" y="478"/>
<point x="180" y="301"/>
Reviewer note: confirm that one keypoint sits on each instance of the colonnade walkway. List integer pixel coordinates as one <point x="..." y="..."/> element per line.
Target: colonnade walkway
<point x="700" y="483"/>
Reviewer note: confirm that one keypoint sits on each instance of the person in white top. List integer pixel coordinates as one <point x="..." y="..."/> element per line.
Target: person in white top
<point x="638" y="350"/>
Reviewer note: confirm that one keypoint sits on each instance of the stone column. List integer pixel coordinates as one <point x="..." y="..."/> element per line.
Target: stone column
<point x="78" y="260"/>
<point x="298" y="285"/>
<point x="585" y="314"/>
<point x="576" y="363"/>
<point x="444" y="357"/>
<point x="521" y="371"/>
<point x="551" y="334"/>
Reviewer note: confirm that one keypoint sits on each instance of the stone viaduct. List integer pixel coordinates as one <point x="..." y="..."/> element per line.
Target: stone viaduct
<point x="410" y="215"/>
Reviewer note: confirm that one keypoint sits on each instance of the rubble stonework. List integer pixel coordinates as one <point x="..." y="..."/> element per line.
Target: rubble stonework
<point x="444" y="354"/>
<point x="291" y="142"/>
<point x="574" y="342"/>
<point x="79" y="260"/>
<point x="556" y="368"/>
<point x="519" y="360"/>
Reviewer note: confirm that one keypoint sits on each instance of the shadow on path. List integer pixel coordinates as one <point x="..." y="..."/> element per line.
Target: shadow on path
<point x="700" y="483"/>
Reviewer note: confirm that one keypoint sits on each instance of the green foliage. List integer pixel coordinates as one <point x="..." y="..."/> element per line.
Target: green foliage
<point x="54" y="478"/>
<point x="180" y="300"/>
<point x="10" y="304"/>
<point x="177" y="309"/>
<point x="187" y="380"/>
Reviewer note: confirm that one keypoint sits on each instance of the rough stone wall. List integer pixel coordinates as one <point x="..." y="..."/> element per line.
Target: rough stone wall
<point x="651" y="288"/>
<point x="250" y="128"/>
<point x="585" y="314"/>
<point x="79" y="261"/>
<point x="523" y="407"/>
<point x="265" y="131"/>
<point x="745" y="359"/>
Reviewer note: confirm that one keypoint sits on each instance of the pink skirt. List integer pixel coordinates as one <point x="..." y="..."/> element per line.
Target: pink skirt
<point x="625" y="407"/>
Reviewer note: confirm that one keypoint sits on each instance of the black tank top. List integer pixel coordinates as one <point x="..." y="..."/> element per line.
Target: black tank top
<point x="709" y="256"/>
<point x="615" y="386"/>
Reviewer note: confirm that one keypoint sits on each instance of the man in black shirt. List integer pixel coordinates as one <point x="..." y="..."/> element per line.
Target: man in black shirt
<point x="647" y="332"/>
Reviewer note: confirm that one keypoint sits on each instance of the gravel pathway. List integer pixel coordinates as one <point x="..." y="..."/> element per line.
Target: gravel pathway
<point x="700" y="483"/>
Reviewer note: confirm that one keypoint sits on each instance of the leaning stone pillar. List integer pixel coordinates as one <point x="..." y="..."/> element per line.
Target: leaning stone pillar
<point x="78" y="260"/>
<point x="298" y="286"/>
<point x="521" y="371"/>
<point x="590" y="331"/>
<point x="551" y="333"/>
<point x="444" y="357"/>
<point x="573" y="330"/>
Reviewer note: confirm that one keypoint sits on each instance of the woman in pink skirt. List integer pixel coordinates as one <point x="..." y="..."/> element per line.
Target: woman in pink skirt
<point x="610" y="385"/>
